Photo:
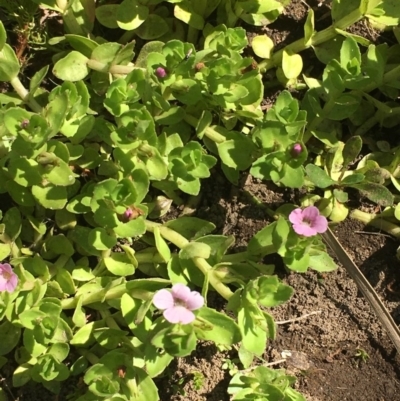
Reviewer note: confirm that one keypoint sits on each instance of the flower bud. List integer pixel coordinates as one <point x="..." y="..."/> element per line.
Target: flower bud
<point x="296" y="150"/>
<point x="131" y="213"/>
<point x="128" y="214"/>
<point x="160" y="72"/>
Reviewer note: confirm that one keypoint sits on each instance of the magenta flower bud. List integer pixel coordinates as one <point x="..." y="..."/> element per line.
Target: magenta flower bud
<point x="24" y="123"/>
<point x="160" y="72"/>
<point x="128" y="213"/>
<point x="296" y="150"/>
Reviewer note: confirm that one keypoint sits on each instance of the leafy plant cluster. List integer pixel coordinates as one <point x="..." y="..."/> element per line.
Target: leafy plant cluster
<point x="90" y="165"/>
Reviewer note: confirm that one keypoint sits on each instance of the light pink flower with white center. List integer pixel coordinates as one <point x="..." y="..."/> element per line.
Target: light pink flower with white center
<point x="178" y="303"/>
<point x="308" y="221"/>
<point x="8" y="279"/>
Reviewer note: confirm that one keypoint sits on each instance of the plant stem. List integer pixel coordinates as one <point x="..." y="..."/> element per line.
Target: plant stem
<point x="390" y="76"/>
<point x="90" y="356"/>
<point x="209" y="131"/>
<point x="376" y="221"/>
<point x="318" y="38"/>
<point x="110" y="292"/>
<point x="180" y="241"/>
<point x="24" y="94"/>
<point x="126" y="37"/>
<point x="367" y="125"/>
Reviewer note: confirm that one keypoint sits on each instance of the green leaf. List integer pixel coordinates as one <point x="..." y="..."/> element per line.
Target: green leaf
<point x="376" y="193"/>
<point x="195" y="250"/>
<point x="191" y="227"/>
<point x="340" y="196"/>
<point x="107" y="15"/>
<point x="172" y="116"/>
<point x="50" y="197"/>
<point x="83" y="335"/>
<point x="12" y="221"/>
<point x="350" y="53"/>
<point x="297" y="261"/>
<point x="271" y="292"/>
<point x="21" y="375"/>
<point x="79" y="316"/>
<point x="133" y="228"/>
<point x="9" y="64"/>
<point x="353" y="178"/>
<point x="321" y="261"/>
<point x="101" y="240"/>
<point x="185" y="13"/>
<point x="290" y="177"/>
<point x="154" y="363"/>
<point x="105" y="54"/>
<point x="309" y="28"/>
<point x="119" y="264"/>
<point x="292" y="65"/>
<point x="37" y="79"/>
<point x="154" y="27"/>
<point x="221" y="330"/>
<point x="162" y="246"/>
<point x="253" y="328"/>
<point x="60" y="245"/>
<point x="146" y="50"/>
<point x="236" y="153"/>
<point x="262" y="46"/>
<point x="10" y="336"/>
<point x="64" y="278"/>
<point x="367" y="6"/>
<point x="82" y="44"/>
<point x="131" y="14"/>
<point x="318" y="176"/>
<point x="3" y="36"/>
<point x="342" y="8"/>
<point x="59" y="351"/>
<point x="5" y="251"/>
<point x="280" y="234"/>
<point x="351" y="150"/>
<point x="72" y="67"/>
<point x="262" y="242"/>
<point x="31" y="318"/>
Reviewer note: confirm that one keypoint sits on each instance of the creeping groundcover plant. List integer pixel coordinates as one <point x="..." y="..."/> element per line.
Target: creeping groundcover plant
<point x="132" y="106"/>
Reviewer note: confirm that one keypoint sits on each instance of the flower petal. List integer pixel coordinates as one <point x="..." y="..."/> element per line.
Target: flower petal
<point x="195" y="301"/>
<point x="296" y="216"/>
<point x="179" y="314"/>
<point x="304" y="229"/>
<point x="13" y="281"/>
<point x="320" y="224"/>
<point x="3" y="283"/>
<point x="181" y="292"/>
<point x="310" y="213"/>
<point x="6" y="268"/>
<point x="163" y="299"/>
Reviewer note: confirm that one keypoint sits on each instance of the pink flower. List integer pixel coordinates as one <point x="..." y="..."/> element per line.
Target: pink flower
<point x="8" y="279"/>
<point x="178" y="303"/>
<point x="296" y="150"/>
<point x="160" y="72"/>
<point x="308" y="222"/>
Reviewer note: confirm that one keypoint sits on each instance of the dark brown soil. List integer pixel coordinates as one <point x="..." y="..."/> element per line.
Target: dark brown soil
<point x="341" y="323"/>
